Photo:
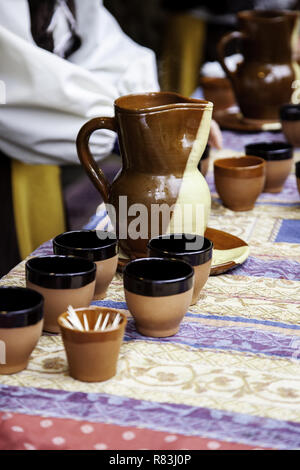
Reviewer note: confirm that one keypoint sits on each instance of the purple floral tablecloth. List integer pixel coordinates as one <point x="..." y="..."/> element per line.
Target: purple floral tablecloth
<point x="230" y="378"/>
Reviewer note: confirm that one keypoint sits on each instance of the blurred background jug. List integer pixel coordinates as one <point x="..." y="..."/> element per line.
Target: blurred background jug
<point x="264" y="80"/>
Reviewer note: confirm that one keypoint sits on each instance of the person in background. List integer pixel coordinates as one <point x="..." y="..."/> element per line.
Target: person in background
<point x="63" y="62"/>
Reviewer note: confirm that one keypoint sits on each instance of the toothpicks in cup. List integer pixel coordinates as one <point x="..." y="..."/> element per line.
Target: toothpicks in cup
<point x="73" y="321"/>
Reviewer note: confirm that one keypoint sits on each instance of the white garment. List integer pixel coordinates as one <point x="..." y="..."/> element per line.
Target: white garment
<point x="48" y="98"/>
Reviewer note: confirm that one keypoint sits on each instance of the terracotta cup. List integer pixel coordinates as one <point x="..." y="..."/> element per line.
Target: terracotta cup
<point x="21" y="322"/>
<point x="290" y="120"/>
<point x="279" y="161"/>
<point x="194" y="249"/>
<point x="263" y="80"/>
<point x="158" y="292"/>
<point x="204" y="162"/>
<point x="298" y="175"/>
<point x="63" y="281"/>
<point x="95" y="245"/>
<point x="239" y="181"/>
<point x="93" y="355"/>
<point x="219" y="91"/>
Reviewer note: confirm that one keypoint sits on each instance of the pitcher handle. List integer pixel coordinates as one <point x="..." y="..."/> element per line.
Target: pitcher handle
<point x="91" y="167"/>
<point x="222" y="45"/>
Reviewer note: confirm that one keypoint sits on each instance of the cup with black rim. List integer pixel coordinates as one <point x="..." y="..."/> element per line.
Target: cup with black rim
<point x="279" y="161"/>
<point x="290" y="121"/>
<point x="21" y="323"/>
<point x="63" y="281"/>
<point x="95" y="245"/>
<point x="158" y="292"/>
<point x="194" y="249"/>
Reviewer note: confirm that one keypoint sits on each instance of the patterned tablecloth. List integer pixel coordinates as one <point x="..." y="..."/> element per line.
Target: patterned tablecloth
<point x="230" y="379"/>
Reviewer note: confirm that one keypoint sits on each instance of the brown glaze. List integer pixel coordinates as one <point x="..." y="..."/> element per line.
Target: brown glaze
<point x="219" y="91"/>
<point x="19" y="344"/>
<point x="156" y="134"/>
<point x="262" y="82"/>
<point x="276" y="175"/>
<point x="158" y="316"/>
<point x="223" y="241"/>
<point x="239" y="181"/>
<point x="201" y="275"/>
<point x="106" y="269"/>
<point x="298" y="184"/>
<point x="235" y="121"/>
<point x="58" y="300"/>
<point x="93" y="355"/>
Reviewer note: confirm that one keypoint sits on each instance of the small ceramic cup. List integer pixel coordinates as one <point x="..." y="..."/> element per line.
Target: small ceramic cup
<point x="219" y="91"/>
<point x="279" y="161"/>
<point x="204" y="162"/>
<point x="297" y="171"/>
<point x="97" y="246"/>
<point x="158" y="292"/>
<point x="63" y="281"/>
<point x="194" y="249"/>
<point x="239" y="181"/>
<point x="290" y="121"/>
<point x="93" y="355"/>
<point x="21" y="323"/>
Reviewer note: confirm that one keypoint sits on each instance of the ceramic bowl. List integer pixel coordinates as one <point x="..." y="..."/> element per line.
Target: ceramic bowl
<point x="158" y="292"/>
<point x="63" y="281"/>
<point x="239" y="181"/>
<point x="279" y="161"/>
<point x="297" y="171"/>
<point x="21" y="322"/>
<point x="194" y="249"/>
<point x="93" y="355"/>
<point x="204" y="162"/>
<point x="95" y="245"/>
<point x="290" y="121"/>
<point x="219" y="91"/>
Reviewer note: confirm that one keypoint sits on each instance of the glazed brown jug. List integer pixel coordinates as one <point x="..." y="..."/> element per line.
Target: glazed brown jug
<point x="162" y="137"/>
<point x="264" y="80"/>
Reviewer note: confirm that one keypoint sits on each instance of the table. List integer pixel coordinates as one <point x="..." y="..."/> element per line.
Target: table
<point x="228" y="380"/>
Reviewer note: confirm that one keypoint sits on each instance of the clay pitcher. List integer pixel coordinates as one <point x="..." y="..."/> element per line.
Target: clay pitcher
<point x="162" y="137"/>
<point x="265" y="79"/>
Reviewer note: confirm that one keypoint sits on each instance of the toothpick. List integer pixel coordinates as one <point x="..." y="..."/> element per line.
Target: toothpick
<point x="74" y="318"/>
<point x="66" y="323"/>
<point x="105" y="322"/>
<point x="116" y="321"/>
<point x="98" y="322"/>
<point x="86" y="323"/>
<point x="76" y="324"/>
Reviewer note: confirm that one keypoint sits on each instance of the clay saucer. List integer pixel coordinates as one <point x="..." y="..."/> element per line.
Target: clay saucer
<point x="233" y="120"/>
<point x="229" y="252"/>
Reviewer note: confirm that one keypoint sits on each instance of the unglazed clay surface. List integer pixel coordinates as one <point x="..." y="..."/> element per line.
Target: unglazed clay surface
<point x="106" y="270"/>
<point x="19" y="344"/>
<point x="158" y="316"/>
<point x="58" y="300"/>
